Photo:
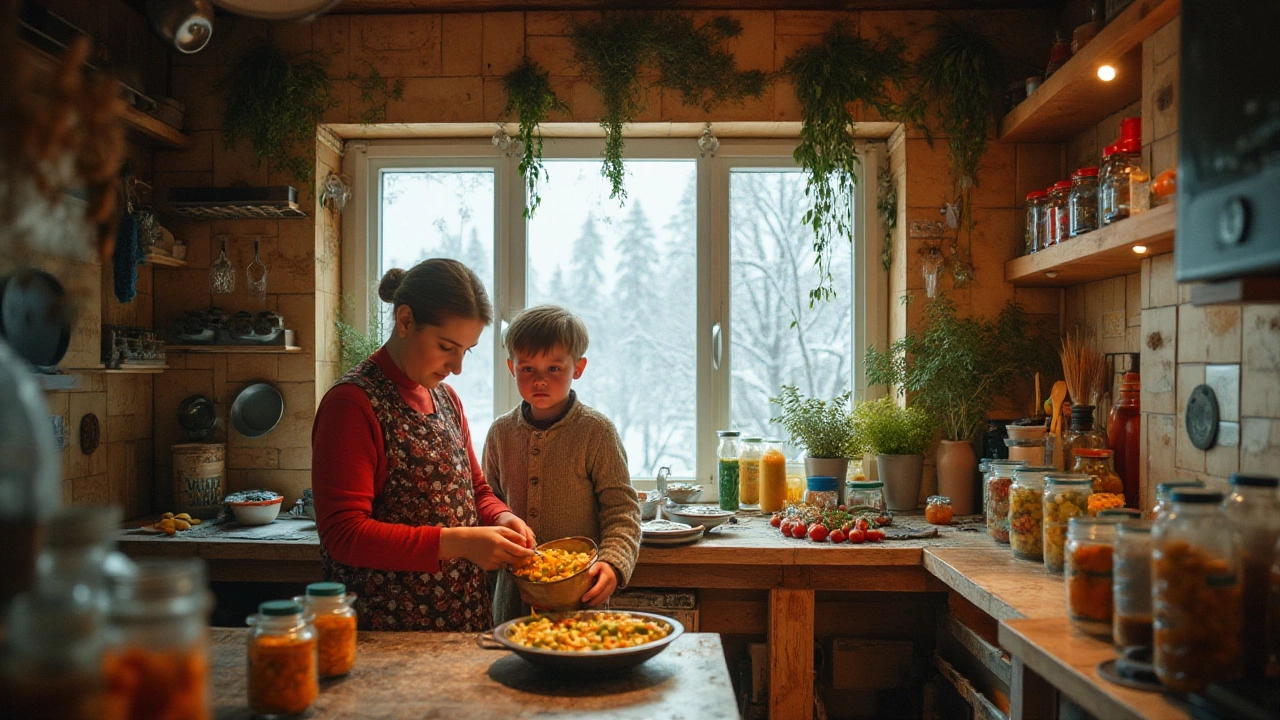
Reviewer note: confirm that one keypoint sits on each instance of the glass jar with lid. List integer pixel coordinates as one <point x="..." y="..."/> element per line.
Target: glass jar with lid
<point x="1098" y="463"/>
<point x="1056" y="223"/>
<point x="752" y="449"/>
<point x="995" y="497"/>
<point x="1106" y="195"/>
<point x="1026" y="512"/>
<point x="868" y="493"/>
<point x="1087" y="569"/>
<point x="822" y="492"/>
<point x="1033" y="238"/>
<point x="1066" y="495"/>
<point x="727" y="468"/>
<point x="1253" y="511"/>
<point x="1131" y="585"/>
<point x="773" y="477"/>
<point x="937" y="510"/>
<point x="1125" y="157"/>
<point x="73" y="557"/>
<point x="52" y="666"/>
<point x="1082" y="202"/>
<point x="284" y="676"/>
<point x="1164" y="493"/>
<point x="335" y="619"/>
<point x="159" y="651"/>
<point x="1196" y="594"/>
<point x="1081" y="435"/>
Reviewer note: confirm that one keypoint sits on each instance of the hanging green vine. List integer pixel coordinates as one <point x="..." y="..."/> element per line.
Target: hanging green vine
<point x="531" y="99"/>
<point x="614" y="48"/>
<point x="829" y="77"/>
<point x="887" y="206"/>
<point x="275" y="103"/>
<point x="375" y="94"/>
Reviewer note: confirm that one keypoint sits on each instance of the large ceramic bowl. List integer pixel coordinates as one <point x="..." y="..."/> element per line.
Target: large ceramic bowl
<point x="588" y="662"/>
<point x="560" y="595"/>
<point x="708" y="516"/>
<point x="683" y="493"/>
<point x="254" y="507"/>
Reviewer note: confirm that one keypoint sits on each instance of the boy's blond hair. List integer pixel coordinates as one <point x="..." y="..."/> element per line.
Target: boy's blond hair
<point x="542" y="329"/>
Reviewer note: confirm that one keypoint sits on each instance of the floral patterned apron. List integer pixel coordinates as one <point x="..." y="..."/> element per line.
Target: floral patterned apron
<point x="428" y="483"/>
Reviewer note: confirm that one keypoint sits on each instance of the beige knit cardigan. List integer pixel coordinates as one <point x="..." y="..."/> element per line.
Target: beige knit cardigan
<point x="571" y="479"/>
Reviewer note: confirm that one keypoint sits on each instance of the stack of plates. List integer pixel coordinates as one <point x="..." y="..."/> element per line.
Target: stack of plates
<point x="664" y="533"/>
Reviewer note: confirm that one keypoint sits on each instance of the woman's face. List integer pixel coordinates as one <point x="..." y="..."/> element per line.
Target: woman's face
<point x="433" y="352"/>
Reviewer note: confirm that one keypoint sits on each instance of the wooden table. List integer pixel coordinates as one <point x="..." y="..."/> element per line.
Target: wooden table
<point x="446" y="675"/>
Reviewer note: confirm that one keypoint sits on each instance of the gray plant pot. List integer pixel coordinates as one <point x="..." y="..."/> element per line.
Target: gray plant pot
<point x="901" y="475"/>
<point x="837" y="468"/>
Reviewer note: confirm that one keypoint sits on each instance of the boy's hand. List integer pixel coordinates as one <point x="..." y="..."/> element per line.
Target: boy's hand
<point x="606" y="581"/>
<point x="510" y="520"/>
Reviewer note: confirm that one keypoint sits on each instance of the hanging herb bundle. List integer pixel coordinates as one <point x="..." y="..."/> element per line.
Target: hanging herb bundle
<point x="531" y="99"/>
<point x="275" y="103"/>
<point x="376" y="94"/>
<point x="690" y="60"/>
<point x="829" y="77"/>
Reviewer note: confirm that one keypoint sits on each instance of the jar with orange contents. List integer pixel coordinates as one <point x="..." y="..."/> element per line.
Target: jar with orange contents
<point x="335" y="619"/>
<point x="157" y="665"/>
<point x="284" y="672"/>
<point x="1090" y="546"/>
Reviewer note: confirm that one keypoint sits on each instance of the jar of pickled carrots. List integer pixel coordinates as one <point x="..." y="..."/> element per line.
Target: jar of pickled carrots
<point x="284" y="660"/>
<point x="334" y="613"/>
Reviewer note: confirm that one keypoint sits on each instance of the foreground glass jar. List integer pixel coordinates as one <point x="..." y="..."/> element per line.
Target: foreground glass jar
<point x="869" y="493"/>
<point x="332" y="608"/>
<point x="773" y="477"/>
<point x="995" y="497"/>
<point x="1082" y="202"/>
<point x="749" y="473"/>
<point x="1026" y="512"/>
<point x="727" y="469"/>
<point x="284" y="675"/>
<point x="1090" y="546"/>
<point x="1033" y="238"/>
<point x="822" y="492"/>
<point x="1164" y="491"/>
<point x="1066" y="495"/>
<point x="1253" y="511"/>
<point x="937" y="510"/>
<point x="1195" y="594"/>
<point x="52" y="666"/>
<point x="1131" y="585"/>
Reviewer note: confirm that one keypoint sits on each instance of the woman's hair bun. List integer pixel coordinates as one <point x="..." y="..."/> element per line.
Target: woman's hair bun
<point x="390" y="283"/>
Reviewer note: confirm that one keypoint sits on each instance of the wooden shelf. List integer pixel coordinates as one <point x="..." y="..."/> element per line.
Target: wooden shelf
<point x="232" y="348"/>
<point x="134" y="370"/>
<point x="149" y="131"/>
<point x="1073" y="98"/>
<point x="1101" y="254"/>
<point x="164" y="260"/>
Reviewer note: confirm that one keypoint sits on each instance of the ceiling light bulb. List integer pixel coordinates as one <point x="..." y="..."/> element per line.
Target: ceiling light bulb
<point x="1140" y="249"/>
<point x="1051" y="274"/>
<point x="1106" y="73"/>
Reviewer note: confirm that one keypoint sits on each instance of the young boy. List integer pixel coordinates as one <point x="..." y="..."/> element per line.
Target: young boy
<point x="557" y="463"/>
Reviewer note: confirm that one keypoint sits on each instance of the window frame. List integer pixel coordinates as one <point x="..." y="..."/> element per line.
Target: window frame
<point x="365" y="161"/>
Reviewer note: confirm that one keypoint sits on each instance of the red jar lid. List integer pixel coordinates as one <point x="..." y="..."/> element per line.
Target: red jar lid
<point x="1110" y="150"/>
<point x="1093" y="453"/>
<point x="1131" y="129"/>
<point x="1062" y="185"/>
<point x="1037" y="194"/>
<point x="1129" y="146"/>
<point x="1085" y="172"/>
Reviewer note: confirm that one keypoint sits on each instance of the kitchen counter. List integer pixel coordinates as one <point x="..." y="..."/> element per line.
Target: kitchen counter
<point x="418" y="675"/>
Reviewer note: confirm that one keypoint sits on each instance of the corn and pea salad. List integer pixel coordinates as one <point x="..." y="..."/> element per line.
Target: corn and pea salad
<point x="579" y="633"/>
<point x="553" y="564"/>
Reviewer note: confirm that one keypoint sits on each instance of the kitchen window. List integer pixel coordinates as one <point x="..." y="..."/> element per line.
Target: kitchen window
<point x="695" y="290"/>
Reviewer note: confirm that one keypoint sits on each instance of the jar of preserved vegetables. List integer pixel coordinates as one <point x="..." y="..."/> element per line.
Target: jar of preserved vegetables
<point x="1196" y="601"/>
<point x="995" y="497"/>
<point x="727" y="468"/>
<point x="1253" y="511"/>
<point x="1056" y="223"/>
<point x="335" y="619"/>
<point x="1026" y="512"/>
<point x="1082" y="202"/>
<point x="822" y="492"/>
<point x="284" y="675"/>
<point x="1087" y="567"/>
<point x="1081" y="435"/>
<point x="773" y="477"/>
<point x="1126" y="157"/>
<point x="937" y="510"/>
<point x="1131" y="585"/>
<point x="1098" y="463"/>
<point x="1033" y="238"/>
<point x="869" y="493"/>
<point x="749" y="473"/>
<point x="1066" y="495"/>
<point x="52" y="666"/>
<point x="1164" y="493"/>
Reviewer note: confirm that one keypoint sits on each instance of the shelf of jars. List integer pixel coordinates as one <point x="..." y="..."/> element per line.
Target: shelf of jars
<point x="1075" y="97"/>
<point x="1111" y="251"/>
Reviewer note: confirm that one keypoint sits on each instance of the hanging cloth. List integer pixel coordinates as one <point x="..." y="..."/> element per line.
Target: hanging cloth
<point x="125" y="259"/>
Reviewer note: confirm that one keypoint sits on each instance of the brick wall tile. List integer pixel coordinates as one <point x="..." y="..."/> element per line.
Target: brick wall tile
<point x="244" y="457"/>
<point x="1164" y="154"/>
<point x="250" y="367"/>
<point x="554" y="53"/>
<point x="331" y="34"/>
<point x="1260" y="366"/>
<point x="811" y="22"/>
<point x="929" y="180"/>
<point x="289" y="483"/>
<point x="997" y="177"/>
<point x="77" y="463"/>
<point x="295" y="459"/>
<point x="439" y="100"/>
<point x="547" y="22"/>
<point x="1083" y="150"/>
<point x="197" y="158"/>
<point x="1208" y="334"/>
<point x="1038" y="166"/>
<point x="785" y="46"/>
<point x="400" y="46"/>
<point x="503" y="43"/>
<point x="1159" y="329"/>
<point x="462" y="40"/>
<point x="1166" y="41"/>
<point x="1161" y="287"/>
<point x="91" y="490"/>
<point x="1260" y="445"/>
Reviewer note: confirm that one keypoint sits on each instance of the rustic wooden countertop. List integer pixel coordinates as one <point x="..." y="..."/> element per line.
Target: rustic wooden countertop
<point x="439" y="675"/>
<point x="1001" y="585"/>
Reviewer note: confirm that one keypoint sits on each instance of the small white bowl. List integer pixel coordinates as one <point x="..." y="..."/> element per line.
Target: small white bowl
<point x="648" y="504"/>
<point x="683" y="494"/>
<point x="260" y="512"/>
<point x="707" y="516"/>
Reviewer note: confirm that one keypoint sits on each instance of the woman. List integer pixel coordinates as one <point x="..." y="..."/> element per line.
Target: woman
<point x="405" y="516"/>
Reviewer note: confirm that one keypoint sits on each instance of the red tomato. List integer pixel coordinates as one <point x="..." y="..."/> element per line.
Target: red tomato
<point x="837" y="536"/>
<point x="862" y="524"/>
<point x="799" y="530"/>
<point x="785" y="527"/>
<point x="875" y="535"/>
<point x="857" y="536"/>
<point x="818" y="532"/>
<point x="776" y="520"/>
<point x="843" y="508"/>
<point x="845" y="528"/>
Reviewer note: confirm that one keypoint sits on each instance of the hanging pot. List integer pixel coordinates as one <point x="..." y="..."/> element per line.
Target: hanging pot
<point x="901" y="476"/>
<point x="837" y="468"/>
<point x="956" y="465"/>
<point x="35" y="317"/>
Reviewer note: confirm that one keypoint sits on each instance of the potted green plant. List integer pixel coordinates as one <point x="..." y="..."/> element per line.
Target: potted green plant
<point x="898" y="437"/>
<point x="823" y="428"/>
<point x="952" y="368"/>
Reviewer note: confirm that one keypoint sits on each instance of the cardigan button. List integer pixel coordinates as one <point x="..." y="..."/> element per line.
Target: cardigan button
<point x="535" y="451"/>
<point x="533" y="512"/>
<point x="533" y="480"/>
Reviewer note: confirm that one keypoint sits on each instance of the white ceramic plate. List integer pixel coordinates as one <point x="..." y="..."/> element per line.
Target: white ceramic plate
<point x="666" y="528"/>
<point x="672" y="541"/>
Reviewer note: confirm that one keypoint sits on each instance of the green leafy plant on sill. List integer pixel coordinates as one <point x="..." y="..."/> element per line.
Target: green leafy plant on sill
<point x="376" y="94"/>
<point x="530" y="98"/>
<point x="841" y="71"/>
<point x="690" y="60"/>
<point x="887" y="207"/>
<point x="825" y="429"/>
<point x="885" y="428"/>
<point x="357" y="345"/>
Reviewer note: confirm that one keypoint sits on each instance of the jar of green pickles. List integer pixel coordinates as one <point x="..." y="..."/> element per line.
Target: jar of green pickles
<point x="727" y="468"/>
<point x="1066" y="495"/>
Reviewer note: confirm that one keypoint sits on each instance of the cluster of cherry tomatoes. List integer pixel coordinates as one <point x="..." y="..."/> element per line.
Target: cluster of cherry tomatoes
<point x="855" y="531"/>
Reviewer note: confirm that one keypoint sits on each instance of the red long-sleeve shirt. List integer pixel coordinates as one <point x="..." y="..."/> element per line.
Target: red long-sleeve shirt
<point x="349" y="468"/>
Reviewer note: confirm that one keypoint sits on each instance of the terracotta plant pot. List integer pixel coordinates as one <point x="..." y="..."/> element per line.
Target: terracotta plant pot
<point x="901" y="476"/>
<point x="956" y="465"/>
<point x="837" y="468"/>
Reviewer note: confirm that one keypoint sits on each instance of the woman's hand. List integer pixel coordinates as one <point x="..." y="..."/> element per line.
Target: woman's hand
<point x="488" y="547"/>
<point x="606" y="581"/>
<point x="512" y="521"/>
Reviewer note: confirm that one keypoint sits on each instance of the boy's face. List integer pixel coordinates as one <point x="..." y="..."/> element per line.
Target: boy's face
<point x="544" y="380"/>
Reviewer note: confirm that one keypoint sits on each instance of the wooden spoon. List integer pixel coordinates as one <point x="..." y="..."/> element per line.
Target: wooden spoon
<point x="1039" y="401"/>
<point x="1056" y="396"/>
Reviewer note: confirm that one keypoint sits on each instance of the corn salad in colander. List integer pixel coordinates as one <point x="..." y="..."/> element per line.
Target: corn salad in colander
<point x="553" y="564"/>
<point x="584" y="633"/>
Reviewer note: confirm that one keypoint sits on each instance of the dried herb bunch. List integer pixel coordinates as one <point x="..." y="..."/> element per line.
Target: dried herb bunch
<point x="530" y="98"/>
<point x="59" y="130"/>
<point x="829" y="77"/>
<point x="275" y="103"/>
<point x="1084" y="368"/>
<point x="614" y="48"/>
<point x="375" y="94"/>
